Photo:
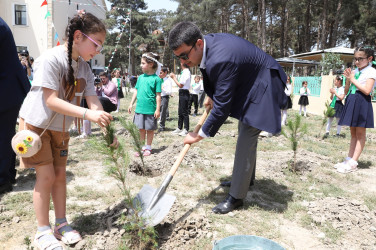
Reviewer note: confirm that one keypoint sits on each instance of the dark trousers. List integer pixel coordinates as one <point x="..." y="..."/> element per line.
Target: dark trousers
<point x="183" y="109"/>
<point x="7" y="156"/>
<point x="193" y="99"/>
<point x="108" y="106"/>
<point x="201" y="98"/>
<point x="164" y="109"/>
<point x="245" y="160"/>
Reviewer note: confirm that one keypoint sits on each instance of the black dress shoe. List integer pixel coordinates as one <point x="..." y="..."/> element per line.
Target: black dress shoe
<point x="5" y="188"/>
<point x="228" y="184"/>
<point x="226" y="206"/>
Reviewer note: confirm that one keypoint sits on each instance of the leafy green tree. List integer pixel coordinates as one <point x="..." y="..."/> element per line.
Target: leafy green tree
<point x="281" y="28"/>
<point x="331" y="61"/>
<point x="126" y="18"/>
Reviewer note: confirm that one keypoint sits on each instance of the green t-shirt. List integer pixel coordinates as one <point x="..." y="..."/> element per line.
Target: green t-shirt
<point x="147" y="88"/>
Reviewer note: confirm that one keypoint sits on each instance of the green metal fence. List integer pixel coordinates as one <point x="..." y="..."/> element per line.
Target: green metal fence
<point x="314" y="84"/>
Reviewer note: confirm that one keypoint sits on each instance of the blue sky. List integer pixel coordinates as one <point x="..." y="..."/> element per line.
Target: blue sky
<point x="159" y="4"/>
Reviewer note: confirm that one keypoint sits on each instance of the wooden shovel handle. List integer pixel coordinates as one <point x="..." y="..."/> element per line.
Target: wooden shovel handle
<point x="187" y="146"/>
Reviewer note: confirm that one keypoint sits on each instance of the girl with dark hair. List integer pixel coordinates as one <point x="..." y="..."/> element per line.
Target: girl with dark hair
<point x="337" y="95"/>
<point x="303" y="100"/>
<point x="148" y="95"/>
<point x="357" y="112"/>
<point x="61" y="78"/>
<point x="288" y="103"/>
<point x="116" y="78"/>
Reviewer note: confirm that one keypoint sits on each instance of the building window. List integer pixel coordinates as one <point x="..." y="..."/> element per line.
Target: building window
<point x="20" y="14"/>
<point x="95" y="62"/>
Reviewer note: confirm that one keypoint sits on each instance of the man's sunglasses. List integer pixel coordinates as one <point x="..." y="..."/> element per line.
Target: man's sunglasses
<point x="184" y="56"/>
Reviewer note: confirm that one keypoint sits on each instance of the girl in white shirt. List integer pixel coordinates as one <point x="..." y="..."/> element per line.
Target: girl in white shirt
<point x="358" y="112"/>
<point x="289" y="102"/>
<point x="303" y="100"/>
<point x="337" y="95"/>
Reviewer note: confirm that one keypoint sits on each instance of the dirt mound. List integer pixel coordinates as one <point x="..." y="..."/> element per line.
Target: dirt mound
<point x="182" y="233"/>
<point x="349" y="217"/>
<point x="163" y="158"/>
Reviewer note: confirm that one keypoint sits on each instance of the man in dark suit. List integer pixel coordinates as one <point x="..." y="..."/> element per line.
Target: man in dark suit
<point x="241" y="81"/>
<point x="14" y="87"/>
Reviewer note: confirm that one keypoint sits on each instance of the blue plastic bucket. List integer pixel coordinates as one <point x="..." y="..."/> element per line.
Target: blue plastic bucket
<point x="246" y="242"/>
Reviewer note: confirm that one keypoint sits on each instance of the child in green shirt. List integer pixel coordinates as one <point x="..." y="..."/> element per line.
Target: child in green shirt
<point x="148" y="95"/>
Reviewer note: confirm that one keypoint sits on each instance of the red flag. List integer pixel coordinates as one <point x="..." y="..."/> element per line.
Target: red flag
<point x="44" y="3"/>
<point x="58" y="43"/>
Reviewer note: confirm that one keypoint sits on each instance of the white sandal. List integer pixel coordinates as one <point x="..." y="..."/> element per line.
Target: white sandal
<point x="44" y="244"/>
<point x="68" y="238"/>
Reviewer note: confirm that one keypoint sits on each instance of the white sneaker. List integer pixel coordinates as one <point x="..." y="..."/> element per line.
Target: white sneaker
<point x="266" y="134"/>
<point x="183" y="133"/>
<point x="349" y="166"/>
<point x="82" y="136"/>
<point x="176" y="131"/>
<point x="341" y="163"/>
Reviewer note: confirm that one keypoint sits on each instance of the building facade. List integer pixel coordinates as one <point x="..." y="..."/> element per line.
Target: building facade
<point x="38" y="25"/>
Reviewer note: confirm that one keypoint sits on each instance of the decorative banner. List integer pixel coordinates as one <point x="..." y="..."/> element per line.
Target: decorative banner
<point x="88" y="4"/>
<point x="44" y="3"/>
<point x="127" y="20"/>
<point x="118" y="37"/>
<point x="47" y="15"/>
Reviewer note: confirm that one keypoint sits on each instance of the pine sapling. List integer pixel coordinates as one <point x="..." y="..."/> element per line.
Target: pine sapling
<point x="295" y="130"/>
<point x="135" y="134"/>
<point x="328" y="112"/>
<point x="118" y="162"/>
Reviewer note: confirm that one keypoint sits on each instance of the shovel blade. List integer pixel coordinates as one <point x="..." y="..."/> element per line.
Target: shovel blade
<point x="159" y="211"/>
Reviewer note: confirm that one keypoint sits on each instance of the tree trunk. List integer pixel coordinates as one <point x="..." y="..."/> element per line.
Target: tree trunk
<point x="307" y="28"/>
<point x="285" y="35"/>
<point x="258" y="26"/>
<point x="284" y="29"/>
<point x="271" y="33"/>
<point x="324" y="34"/>
<point x="245" y="25"/>
<point x="335" y="25"/>
<point x="263" y="25"/>
<point x="318" y="35"/>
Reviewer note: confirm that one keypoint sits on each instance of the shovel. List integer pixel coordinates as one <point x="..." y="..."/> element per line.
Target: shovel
<point x="155" y="203"/>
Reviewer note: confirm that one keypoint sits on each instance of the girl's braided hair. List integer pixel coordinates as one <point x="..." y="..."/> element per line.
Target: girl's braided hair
<point x="369" y="51"/>
<point x="86" y="23"/>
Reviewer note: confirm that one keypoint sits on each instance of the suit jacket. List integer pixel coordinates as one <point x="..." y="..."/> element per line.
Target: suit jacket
<point x="13" y="80"/>
<point x="244" y="82"/>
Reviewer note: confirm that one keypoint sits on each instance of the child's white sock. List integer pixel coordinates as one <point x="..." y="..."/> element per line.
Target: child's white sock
<point x="148" y="147"/>
<point x="284" y="117"/>
<point x="118" y="105"/>
<point x="329" y="124"/>
<point x="87" y="127"/>
<point x="65" y="228"/>
<point x="338" y="127"/>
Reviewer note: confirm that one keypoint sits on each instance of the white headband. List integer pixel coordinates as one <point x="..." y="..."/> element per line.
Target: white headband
<point x="155" y="60"/>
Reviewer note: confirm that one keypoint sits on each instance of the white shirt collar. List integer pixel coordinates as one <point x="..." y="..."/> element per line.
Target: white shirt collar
<point x="203" y="60"/>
